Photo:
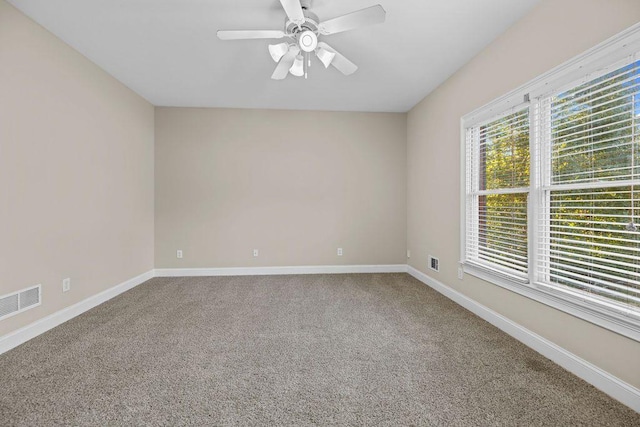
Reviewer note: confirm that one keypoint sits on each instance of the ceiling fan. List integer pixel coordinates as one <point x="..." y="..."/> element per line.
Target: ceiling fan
<point x="302" y="30"/>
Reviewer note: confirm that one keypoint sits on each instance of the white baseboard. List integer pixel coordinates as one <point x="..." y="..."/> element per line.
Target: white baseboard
<point x="267" y="271"/>
<point x="595" y="376"/>
<point x="22" y="335"/>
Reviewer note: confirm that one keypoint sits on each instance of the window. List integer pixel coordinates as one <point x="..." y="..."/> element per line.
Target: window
<point x="497" y="194"/>
<point x="591" y="189"/>
<point x="552" y="188"/>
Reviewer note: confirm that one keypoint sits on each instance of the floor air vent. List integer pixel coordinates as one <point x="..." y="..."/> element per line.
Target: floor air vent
<point x="20" y="301"/>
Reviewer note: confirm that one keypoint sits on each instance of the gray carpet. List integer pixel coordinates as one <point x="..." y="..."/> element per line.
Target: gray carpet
<point x="380" y="349"/>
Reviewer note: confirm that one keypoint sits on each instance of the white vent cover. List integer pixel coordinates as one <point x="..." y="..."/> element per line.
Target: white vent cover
<point x="434" y="263"/>
<point x="20" y="301"/>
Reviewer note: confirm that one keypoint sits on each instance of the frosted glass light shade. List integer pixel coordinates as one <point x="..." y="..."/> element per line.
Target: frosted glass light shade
<point x="277" y="51"/>
<point x="325" y="56"/>
<point x="297" y="69"/>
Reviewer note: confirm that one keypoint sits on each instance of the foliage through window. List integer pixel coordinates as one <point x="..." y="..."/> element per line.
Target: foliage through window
<point x="499" y="191"/>
<point x="593" y="236"/>
<point x="553" y="191"/>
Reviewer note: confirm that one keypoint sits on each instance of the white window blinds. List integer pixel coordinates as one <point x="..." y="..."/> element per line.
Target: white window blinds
<point x="551" y="191"/>
<point x="590" y="237"/>
<point x="497" y="191"/>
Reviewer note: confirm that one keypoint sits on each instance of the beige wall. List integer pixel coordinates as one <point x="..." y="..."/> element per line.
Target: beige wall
<point x="77" y="176"/>
<point x="76" y="172"/>
<point x="296" y="185"/>
<point x="555" y="31"/>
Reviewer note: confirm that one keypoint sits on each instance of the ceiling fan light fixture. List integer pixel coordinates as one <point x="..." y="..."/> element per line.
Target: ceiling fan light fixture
<point x="302" y="29"/>
<point x="325" y="56"/>
<point x="297" y="69"/>
<point x="308" y="41"/>
<point x="277" y="51"/>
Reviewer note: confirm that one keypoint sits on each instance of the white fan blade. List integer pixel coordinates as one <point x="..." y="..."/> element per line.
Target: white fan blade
<point x="250" y="34"/>
<point x="293" y="8"/>
<point x="362" y="18"/>
<point x="285" y="64"/>
<point x="345" y="66"/>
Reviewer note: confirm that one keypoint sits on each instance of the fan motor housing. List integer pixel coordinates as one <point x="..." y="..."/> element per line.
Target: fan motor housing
<point x="308" y="41"/>
<point x="311" y="23"/>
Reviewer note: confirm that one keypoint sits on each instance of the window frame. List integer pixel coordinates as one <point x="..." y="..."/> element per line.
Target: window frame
<point x="599" y="60"/>
<point x="497" y="270"/>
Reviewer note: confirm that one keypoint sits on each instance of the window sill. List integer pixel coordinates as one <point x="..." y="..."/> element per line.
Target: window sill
<point x="619" y="323"/>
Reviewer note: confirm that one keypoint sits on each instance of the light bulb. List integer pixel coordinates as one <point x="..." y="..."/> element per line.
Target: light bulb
<point x="297" y="69"/>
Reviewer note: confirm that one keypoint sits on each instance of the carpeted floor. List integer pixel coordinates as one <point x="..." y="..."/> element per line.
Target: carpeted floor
<point x="379" y="349"/>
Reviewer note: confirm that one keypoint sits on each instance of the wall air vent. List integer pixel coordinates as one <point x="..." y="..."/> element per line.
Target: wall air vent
<point x="17" y="302"/>
<point x="434" y="263"/>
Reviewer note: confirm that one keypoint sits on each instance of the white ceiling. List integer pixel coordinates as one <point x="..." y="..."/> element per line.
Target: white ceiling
<point x="167" y="50"/>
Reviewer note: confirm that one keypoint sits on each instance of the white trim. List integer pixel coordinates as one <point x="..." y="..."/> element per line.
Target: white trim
<point x="595" y="376"/>
<point x="602" y="380"/>
<point x="615" y="322"/>
<point x="22" y="335"/>
<point x="499" y="191"/>
<point x="601" y="59"/>
<point x="589" y="185"/>
<point x="463" y="191"/>
<point x="614" y="50"/>
<point x="267" y="271"/>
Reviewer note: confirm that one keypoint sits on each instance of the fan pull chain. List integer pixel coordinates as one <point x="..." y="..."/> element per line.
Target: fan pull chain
<point x="308" y="65"/>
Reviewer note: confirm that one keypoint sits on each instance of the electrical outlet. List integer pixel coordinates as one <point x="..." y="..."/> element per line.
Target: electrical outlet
<point x="408" y="253"/>
<point x="179" y="253"/>
<point x="256" y="252"/>
<point x="460" y="273"/>
<point x="66" y="285"/>
<point x="339" y="251"/>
